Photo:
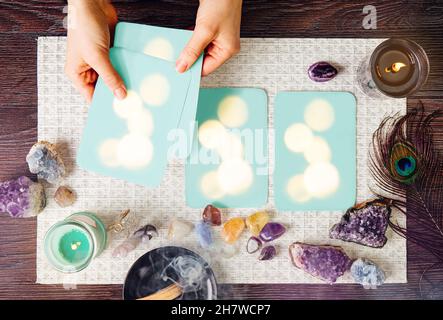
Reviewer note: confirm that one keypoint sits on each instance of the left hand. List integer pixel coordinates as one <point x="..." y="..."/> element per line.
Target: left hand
<point x="217" y="29"/>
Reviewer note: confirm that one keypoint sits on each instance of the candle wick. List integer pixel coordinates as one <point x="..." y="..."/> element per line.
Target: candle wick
<point x="396" y="67"/>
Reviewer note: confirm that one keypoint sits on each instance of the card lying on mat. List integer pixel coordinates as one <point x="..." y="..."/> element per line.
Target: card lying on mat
<point x="228" y="166"/>
<point x="315" y="151"/>
<point x="167" y="44"/>
<point x="127" y="139"/>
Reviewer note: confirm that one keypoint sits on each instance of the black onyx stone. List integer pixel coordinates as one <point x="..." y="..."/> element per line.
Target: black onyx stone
<point x="365" y="224"/>
<point x="322" y="71"/>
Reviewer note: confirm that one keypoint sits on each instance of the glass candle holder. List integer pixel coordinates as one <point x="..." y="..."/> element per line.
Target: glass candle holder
<point x="71" y="244"/>
<point x="397" y="68"/>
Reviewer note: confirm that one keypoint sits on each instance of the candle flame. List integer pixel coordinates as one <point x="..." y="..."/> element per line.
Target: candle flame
<point x="396" y="67"/>
<point x="74" y="246"/>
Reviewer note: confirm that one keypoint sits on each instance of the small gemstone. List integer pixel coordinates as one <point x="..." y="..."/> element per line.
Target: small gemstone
<point x="267" y="253"/>
<point x="204" y="234"/>
<point x="64" y="196"/>
<point x="212" y="215"/>
<point x="253" y="245"/>
<point x="322" y="71"/>
<point x="256" y="221"/>
<point x="272" y="231"/>
<point x="367" y="273"/>
<point x="232" y="230"/>
<point x="325" y="262"/>
<point x="44" y="160"/>
<point x="179" y="229"/>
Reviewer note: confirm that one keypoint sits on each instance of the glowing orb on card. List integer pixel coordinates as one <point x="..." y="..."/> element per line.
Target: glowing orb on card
<point x="155" y="90"/>
<point x="296" y="189"/>
<point x="230" y="147"/>
<point x="160" y="48"/>
<point x="321" y="179"/>
<point x="233" y="111"/>
<point x="317" y="151"/>
<point x="128" y="106"/>
<point x="319" y="115"/>
<point x="108" y="153"/>
<point x="234" y="176"/>
<point x="211" y="134"/>
<point x="210" y="187"/>
<point x="134" y="151"/>
<point x="141" y="122"/>
<point x="298" y="137"/>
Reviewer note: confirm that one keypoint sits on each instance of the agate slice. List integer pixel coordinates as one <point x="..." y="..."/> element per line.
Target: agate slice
<point x="324" y="262"/>
<point x="44" y="160"/>
<point x="22" y="197"/>
<point x="322" y="71"/>
<point x="366" y="224"/>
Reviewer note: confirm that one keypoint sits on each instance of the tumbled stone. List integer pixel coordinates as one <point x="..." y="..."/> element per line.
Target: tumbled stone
<point x="22" y="197"/>
<point x="367" y="273"/>
<point x="322" y="71"/>
<point x="143" y="234"/>
<point x="221" y="249"/>
<point x="256" y="221"/>
<point x="212" y="215"/>
<point x="232" y="230"/>
<point x="44" y="160"/>
<point x="253" y="245"/>
<point x="365" y="224"/>
<point x="179" y="229"/>
<point x="64" y="196"/>
<point x="204" y="234"/>
<point x="267" y="253"/>
<point x="325" y="262"/>
<point x="272" y="231"/>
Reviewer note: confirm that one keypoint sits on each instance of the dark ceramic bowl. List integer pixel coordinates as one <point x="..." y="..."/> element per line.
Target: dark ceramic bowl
<point x="153" y="271"/>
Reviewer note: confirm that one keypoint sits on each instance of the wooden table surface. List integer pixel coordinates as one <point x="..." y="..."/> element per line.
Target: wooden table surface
<point x="21" y="22"/>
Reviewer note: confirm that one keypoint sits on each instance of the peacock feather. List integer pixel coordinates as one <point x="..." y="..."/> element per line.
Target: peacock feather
<point x="408" y="171"/>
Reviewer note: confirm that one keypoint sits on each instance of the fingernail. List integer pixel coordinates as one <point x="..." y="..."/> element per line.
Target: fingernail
<point x="120" y="93"/>
<point x="181" y="66"/>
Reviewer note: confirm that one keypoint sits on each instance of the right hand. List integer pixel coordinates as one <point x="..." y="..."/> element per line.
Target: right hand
<point x="89" y="39"/>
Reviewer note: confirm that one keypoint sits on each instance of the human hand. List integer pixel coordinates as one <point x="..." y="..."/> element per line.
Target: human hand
<point x="217" y="28"/>
<point x="89" y="37"/>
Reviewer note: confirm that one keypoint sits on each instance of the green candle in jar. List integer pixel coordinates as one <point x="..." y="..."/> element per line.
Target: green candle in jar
<point x="75" y="246"/>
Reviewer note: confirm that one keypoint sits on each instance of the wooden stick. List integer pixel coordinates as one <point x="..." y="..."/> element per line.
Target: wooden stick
<point x="169" y="293"/>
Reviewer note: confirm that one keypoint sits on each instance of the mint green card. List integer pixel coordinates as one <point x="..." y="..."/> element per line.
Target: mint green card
<point x="228" y="165"/>
<point x="167" y="44"/>
<point x="127" y="139"/>
<point x="315" y="151"/>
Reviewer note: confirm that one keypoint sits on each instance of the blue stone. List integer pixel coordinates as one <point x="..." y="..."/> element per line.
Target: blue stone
<point x="367" y="273"/>
<point x="204" y="234"/>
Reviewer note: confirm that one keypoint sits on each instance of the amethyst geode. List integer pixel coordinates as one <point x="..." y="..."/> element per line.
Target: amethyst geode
<point x="325" y="262"/>
<point x="22" y="198"/>
<point x="322" y="71"/>
<point x="364" y="223"/>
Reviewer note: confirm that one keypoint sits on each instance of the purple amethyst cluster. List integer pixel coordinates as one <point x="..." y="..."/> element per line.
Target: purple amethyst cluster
<point x="365" y="224"/>
<point x="22" y="198"/>
<point x="325" y="262"/>
<point x="322" y="71"/>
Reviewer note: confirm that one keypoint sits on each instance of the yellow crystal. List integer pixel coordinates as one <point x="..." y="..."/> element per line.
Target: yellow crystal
<point x="232" y="230"/>
<point x="256" y="221"/>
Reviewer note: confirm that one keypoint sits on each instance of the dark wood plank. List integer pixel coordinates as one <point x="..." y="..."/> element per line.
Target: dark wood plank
<point x="22" y="21"/>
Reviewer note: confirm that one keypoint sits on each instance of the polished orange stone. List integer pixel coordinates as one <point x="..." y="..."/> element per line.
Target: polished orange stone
<point x="232" y="230"/>
<point x="256" y="221"/>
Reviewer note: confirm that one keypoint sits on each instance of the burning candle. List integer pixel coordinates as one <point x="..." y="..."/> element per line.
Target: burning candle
<point x="397" y="68"/>
<point x="71" y="244"/>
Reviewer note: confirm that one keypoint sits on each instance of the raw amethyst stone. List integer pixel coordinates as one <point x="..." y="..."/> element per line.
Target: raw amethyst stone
<point x="44" y="160"/>
<point x="364" y="224"/>
<point x="22" y="198"/>
<point x="322" y="71"/>
<point x="272" y="231"/>
<point x="253" y="245"/>
<point x="327" y="263"/>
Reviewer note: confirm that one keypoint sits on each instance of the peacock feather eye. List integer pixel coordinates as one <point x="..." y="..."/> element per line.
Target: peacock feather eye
<point x="403" y="163"/>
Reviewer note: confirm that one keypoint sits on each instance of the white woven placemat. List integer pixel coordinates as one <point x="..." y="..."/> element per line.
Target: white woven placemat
<point x="272" y="64"/>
